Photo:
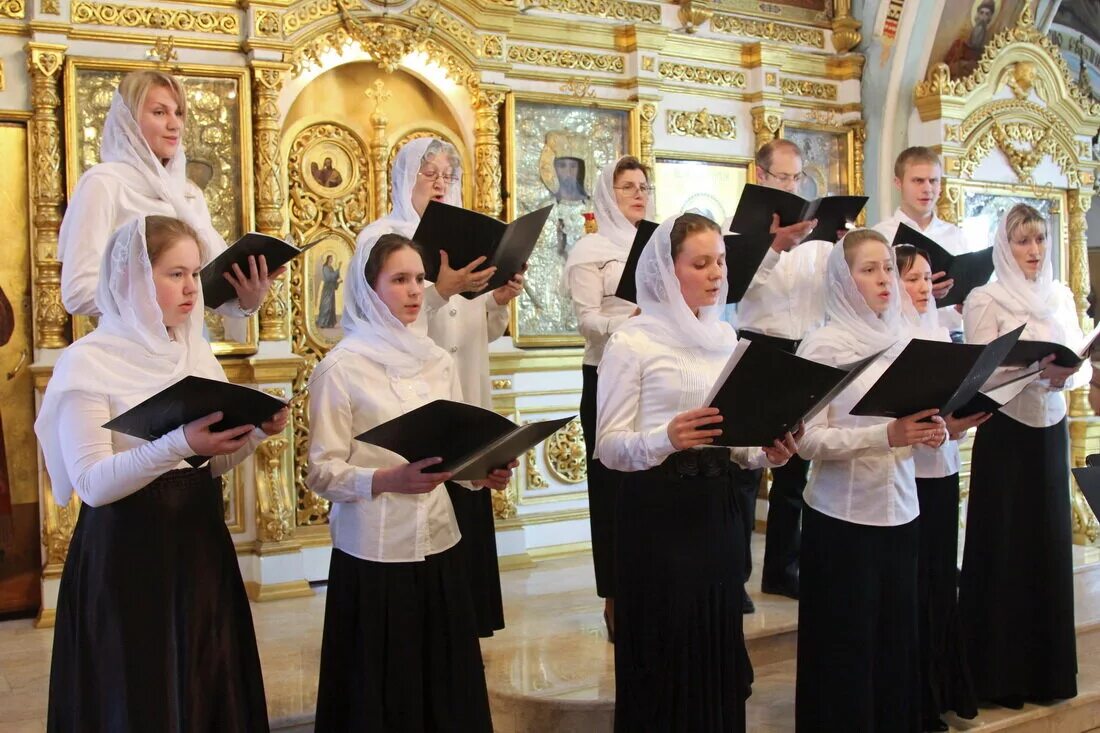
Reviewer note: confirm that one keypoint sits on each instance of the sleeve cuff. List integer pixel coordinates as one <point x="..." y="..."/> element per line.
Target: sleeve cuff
<point x="771" y="257"/>
<point x="176" y="444"/>
<point x="364" y="483"/>
<point x="659" y="445"/>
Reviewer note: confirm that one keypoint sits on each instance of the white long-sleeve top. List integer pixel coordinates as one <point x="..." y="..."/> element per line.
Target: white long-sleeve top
<point x="464" y="328"/>
<point x="643" y="385"/>
<point x="943" y="461"/>
<point x="786" y="297"/>
<point x="351" y="394"/>
<point x="1040" y="405"/>
<point x="855" y="475"/>
<point x="592" y="287"/>
<point x="105" y="466"/>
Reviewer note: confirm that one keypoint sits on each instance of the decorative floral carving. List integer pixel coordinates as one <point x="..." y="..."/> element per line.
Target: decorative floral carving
<point x="274" y="509"/>
<point x="749" y="28"/>
<point x="134" y="16"/>
<point x="647" y="114"/>
<point x="806" y="88"/>
<point x="487" y="198"/>
<point x="617" y="9"/>
<point x="702" y="75"/>
<point x="565" y="454"/>
<point x="701" y="124"/>
<point x="566" y="59"/>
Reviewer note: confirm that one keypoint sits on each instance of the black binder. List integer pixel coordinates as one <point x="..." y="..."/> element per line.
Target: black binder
<point x="216" y="290"/>
<point x="191" y="398"/>
<point x="1028" y="352"/>
<point x="998" y="391"/>
<point x="758" y="203"/>
<point x="627" y="288"/>
<point x="764" y="392"/>
<point x="934" y="374"/>
<point x="969" y="271"/>
<point x="744" y="253"/>
<point x="466" y="235"/>
<point x="472" y="441"/>
<point x="1088" y="478"/>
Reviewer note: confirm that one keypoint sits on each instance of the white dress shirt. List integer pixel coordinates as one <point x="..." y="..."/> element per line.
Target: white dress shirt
<point x="786" y="297"/>
<point x="943" y="233"/>
<point x="464" y="328"/>
<point x="351" y="394"/>
<point x="643" y="385"/>
<point x="943" y="461"/>
<point x="106" y="466"/>
<point x="1040" y="405"/>
<point x="592" y="286"/>
<point x="855" y="475"/>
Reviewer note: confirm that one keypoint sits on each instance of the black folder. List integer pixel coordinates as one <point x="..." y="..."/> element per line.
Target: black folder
<point x="1028" y="352"/>
<point x="998" y="391"/>
<point x="628" y="286"/>
<point x="744" y="253"/>
<point x="191" y="398"/>
<point x="1088" y="478"/>
<point x="472" y="441"/>
<point x="969" y="271"/>
<point x="216" y="290"/>
<point x="466" y="235"/>
<point x="758" y="203"/>
<point x="764" y="392"/>
<point x="934" y="374"/>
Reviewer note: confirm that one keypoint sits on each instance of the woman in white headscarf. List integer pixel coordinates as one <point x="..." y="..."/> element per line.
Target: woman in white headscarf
<point x="592" y="274"/>
<point x="857" y="613"/>
<point x="1016" y="588"/>
<point x="143" y="171"/>
<point x="945" y="673"/>
<point x="400" y="648"/>
<point x="426" y="170"/>
<point x="680" y="659"/>
<point x="153" y="626"/>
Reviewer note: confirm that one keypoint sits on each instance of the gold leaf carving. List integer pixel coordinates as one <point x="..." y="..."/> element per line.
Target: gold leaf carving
<point x="487" y="195"/>
<point x="702" y="75"/>
<point x="770" y="30"/>
<point x="267" y="24"/>
<point x="275" y="514"/>
<point x="805" y="88"/>
<point x="566" y="59"/>
<point x="13" y="8"/>
<point x="648" y="115"/>
<point x="535" y="478"/>
<point x="565" y="454"/>
<point x="133" y="16"/>
<point x="617" y="9"/>
<point x="701" y="124"/>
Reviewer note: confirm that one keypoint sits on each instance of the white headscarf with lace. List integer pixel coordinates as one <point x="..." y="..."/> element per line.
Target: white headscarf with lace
<point x="131" y="353"/>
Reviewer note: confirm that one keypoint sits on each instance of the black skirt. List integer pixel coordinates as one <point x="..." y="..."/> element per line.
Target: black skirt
<point x="478" y="550"/>
<point x="680" y="658"/>
<point x="603" y="488"/>
<point x="153" y="631"/>
<point x="945" y="674"/>
<point x="400" y="652"/>
<point x="1016" y="589"/>
<point x="858" y="666"/>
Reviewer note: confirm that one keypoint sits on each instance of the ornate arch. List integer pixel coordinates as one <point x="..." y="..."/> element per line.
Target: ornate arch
<point x="1030" y="133"/>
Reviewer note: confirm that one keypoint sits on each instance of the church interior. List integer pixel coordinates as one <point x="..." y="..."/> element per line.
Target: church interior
<point x="297" y="110"/>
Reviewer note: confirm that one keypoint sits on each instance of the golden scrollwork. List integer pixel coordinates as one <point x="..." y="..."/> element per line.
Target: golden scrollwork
<point x="487" y="196"/>
<point x="565" y="454"/>
<point x="134" y="16"/>
<point x="578" y="87"/>
<point x="13" y="8"/>
<point x="379" y="151"/>
<point x="502" y="384"/>
<point x="735" y="25"/>
<point x="53" y="7"/>
<point x="44" y="66"/>
<point x="701" y="124"/>
<point x="486" y="46"/>
<point x="535" y="479"/>
<point x="807" y="88"/>
<point x="267" y="82"/>
<point x="504" y="503"/>
<point x="274" y="508"/>
<point x="304" y="14"/>
<point x="702" y="75"/>
<point x="616" y="9"/>
<point x="647" y="116"/>
<point x="950" y="202"/>
<point x="566" y="59"/>
<point x="771" y="79"/>
<point x="266" y="24"/>
<point x="57" y="530"/>
<point x="846" y="34"/>
<point x="693" y="14"/>
<point x="859" y="158"/>
<point x="1023" y="143"/>
<point x="766" y="123"/>
<point x="163" y="51"/>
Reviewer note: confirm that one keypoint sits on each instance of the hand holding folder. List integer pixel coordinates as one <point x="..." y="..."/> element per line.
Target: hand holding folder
<point x="1028" y="352"/>
<point x="969" y="271"/>
<point x="216" y="290"/>
<point x="833" y="213"/>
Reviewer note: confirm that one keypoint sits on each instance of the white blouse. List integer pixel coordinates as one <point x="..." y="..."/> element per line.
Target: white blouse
<point x="464" y="328"/>
<point x="592" y="286"/>
<point x="351" y="394"/>
<point x="943" y="461"/>
<point x="644" y="384"/>
<point x="855" y="475"/>
<point x="1040" y="405"/>
<point x="106" y="466"/>
<point x="786" y="297"/>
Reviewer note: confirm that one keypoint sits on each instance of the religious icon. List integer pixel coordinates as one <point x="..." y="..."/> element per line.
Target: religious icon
<point x="326" y="175"/>
<point x="330" y="283"/>
<point x="962" y="57"/>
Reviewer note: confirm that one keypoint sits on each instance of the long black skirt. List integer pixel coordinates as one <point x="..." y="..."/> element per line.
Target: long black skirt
<point x="603" y="488"/>
<point x="680" y="658"/>
<point x="945" y="674"/>
<point x="1016" y="589"/>
<point x="478" y="550"/>
<point x="400" y="652"/>
<point x="858" y="664"/>
<point x="153" y="631"/>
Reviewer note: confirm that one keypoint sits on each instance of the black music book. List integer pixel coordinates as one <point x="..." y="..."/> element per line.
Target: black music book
<point x="970" y="270"/>
<point x="191" y="398"/>
<point x="1028" y="352"/>
<point x="1088" y="478"/>
<point x="758" y="203"/>
<point x="998" y="391"/>
<point x="764" y="392"/>
<point x="934" y="374"/>
<point x="744" y="253"/>
<point x="217" y="291"/>
<point x="627" y="288"/>
<point x="471" y="440"/>
<point x="466" y="235"/>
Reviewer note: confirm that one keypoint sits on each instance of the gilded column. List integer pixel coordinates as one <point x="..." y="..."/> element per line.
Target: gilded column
<point x="766" y="124"/>
<point x="487" y="198"/>
<point x="267" y="82"/>
<point x="846" y="34"/>
<point x="647" y="115"/>
<point x="1085" y="527"/>
<point x="859" y="140"/>
<point x="44" y="62"/>
<point x="274" y="508"/>
<point x="379" y="148"/>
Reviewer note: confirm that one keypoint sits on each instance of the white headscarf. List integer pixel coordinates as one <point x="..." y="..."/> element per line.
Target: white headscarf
<point x="852" y="330"/>
<point x="131" y="353"/>
<point x="1036" y="299"/>
<point x="614" y="233"/>
<point x="665" y="315"/>
<point x="923" y="325"/>
<point x="403" y="218"/>
<point x="372" y="330"/>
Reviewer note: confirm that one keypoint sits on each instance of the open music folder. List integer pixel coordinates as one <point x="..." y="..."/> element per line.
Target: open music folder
<point x="471" y="440"/>
<point x="466" y="235"/>
<point x="191" y="398"/>
<point x="628" y="287"/>
<point x="970" y="270"/>
<point x="758" y="203"/>
<point x="764" y="392"/>
<point x="1001" y="389"/>
<point x="934" y="374"/>
<point x="1028" y="352"/>
<point x="216" y="290"/>
<point x="1088" y="478"/>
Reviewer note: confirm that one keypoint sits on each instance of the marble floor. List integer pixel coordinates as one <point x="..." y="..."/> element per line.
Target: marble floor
<point x="552" y="669"/>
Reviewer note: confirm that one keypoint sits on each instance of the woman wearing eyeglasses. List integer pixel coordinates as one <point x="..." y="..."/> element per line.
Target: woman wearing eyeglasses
<point x="431" y="170"/>
<point x="592" y="275"/>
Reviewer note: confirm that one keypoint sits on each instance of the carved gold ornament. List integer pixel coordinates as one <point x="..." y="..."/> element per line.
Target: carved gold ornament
<point x="565" y="454"/>
<point x="13" y="8"/>
<point x="811" y="89"/>
<point x="578" y="87"/>
<point x="134" y="16"/>
<point x="846" y="34"/>
<point x="766" y="123"/>
<point x="616" y="9"/>
<point x="702" y="75"/>
<point x="647" y="115"/>
<point x="478" y="44"/>
<point x="275" y="516"/>
<point x="535" y="478"/>
<point x="163" y="51"/>
<point x="53" y="7"/>
<point x="487" y="194"/>
<point x="701" y="124"/>
<point x="692" y="14"/>
<point x="566" y="59"/>
<point x="769" y="30"/>
<point x="267" y="82"/>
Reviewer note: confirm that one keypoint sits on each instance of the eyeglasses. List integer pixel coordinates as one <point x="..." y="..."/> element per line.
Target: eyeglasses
<point x="436" y="175"/>
<point x="632" y="189"/>
<point x="784" y="177"/>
